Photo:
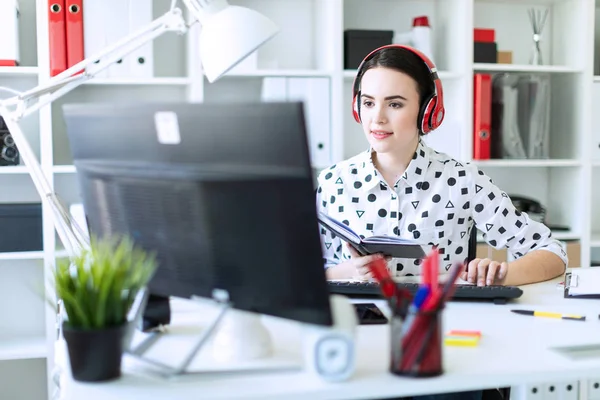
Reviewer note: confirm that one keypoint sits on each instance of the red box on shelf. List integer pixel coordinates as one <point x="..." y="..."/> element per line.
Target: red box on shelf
<point x="484" y="35"/>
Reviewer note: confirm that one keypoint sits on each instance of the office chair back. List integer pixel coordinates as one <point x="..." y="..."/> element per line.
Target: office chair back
<point x="472" y="253"/>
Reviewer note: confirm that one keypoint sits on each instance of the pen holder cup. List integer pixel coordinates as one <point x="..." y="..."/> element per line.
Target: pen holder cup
<point x="416" y="344"/>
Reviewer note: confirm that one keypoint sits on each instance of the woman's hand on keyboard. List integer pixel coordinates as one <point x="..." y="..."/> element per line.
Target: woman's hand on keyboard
<point x="356" y="267"/>
<point x="485" y="272"/>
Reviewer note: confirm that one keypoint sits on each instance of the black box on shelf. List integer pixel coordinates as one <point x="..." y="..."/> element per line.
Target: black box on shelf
<point x="485" y="52"/>
<point x="358" y="43"/>
<point x="9" y="154"/>
<point x="21" y="225"/>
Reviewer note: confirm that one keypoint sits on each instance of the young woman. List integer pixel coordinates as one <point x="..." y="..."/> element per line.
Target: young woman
<point x="401" y="187"/>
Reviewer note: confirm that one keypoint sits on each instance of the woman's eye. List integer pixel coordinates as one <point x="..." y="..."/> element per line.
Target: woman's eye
<point x="367" y="103"/>
<point x="396" y="105"/>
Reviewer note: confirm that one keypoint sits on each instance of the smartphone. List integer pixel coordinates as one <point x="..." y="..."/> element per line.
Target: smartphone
<point x="369" y="314"/>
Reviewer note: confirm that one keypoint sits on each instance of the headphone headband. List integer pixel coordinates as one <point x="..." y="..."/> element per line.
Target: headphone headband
<point x="432" y="111"/>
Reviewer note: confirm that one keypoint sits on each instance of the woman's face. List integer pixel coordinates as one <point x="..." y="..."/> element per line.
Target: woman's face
<point x="389" y="107"/>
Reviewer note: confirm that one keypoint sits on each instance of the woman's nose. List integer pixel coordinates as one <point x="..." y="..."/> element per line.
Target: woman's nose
<point x="379" y="116"/>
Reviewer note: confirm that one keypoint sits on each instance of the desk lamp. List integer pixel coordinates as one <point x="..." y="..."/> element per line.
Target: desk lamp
<point x="228" y="35"/>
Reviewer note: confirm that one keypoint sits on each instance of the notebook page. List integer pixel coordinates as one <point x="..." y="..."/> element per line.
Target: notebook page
<point x="584" y="281"/>
<point x="387" y="239"/>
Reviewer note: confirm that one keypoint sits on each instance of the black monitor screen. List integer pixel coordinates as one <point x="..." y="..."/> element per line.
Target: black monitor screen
<point x="226" y="200"/>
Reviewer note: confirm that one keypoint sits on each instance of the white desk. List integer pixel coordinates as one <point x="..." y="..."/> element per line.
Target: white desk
<point x="503" y="358"/>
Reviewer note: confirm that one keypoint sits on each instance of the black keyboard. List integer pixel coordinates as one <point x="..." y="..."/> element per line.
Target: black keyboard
<point x="496" y="293"/>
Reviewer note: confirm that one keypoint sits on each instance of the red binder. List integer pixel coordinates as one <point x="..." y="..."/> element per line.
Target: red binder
<point x="57" y="36"/>
<point x="74" y="29"/>
<point x="482" y="116"/>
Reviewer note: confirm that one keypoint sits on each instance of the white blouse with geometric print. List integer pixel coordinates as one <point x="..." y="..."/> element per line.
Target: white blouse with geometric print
<point x="436" y="202"/>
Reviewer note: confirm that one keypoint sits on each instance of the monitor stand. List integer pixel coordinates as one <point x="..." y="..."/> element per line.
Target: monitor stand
<point x="237" y="337"/>
<point x="241" y="337"/>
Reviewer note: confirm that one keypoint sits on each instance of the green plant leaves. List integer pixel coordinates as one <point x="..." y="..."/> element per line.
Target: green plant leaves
<point x="98" y="286"/>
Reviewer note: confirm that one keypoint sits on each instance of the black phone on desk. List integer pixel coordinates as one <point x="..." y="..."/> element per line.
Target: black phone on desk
<point x="369" y="314"/>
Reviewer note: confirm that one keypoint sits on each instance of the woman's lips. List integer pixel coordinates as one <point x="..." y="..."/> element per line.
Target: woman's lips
<point x="380" y="135"/>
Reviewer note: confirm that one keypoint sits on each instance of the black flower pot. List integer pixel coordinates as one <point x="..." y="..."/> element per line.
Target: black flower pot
<point x="95" y="354"/>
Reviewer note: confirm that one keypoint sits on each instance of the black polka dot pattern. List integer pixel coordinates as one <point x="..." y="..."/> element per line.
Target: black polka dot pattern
<point x="436" y="202"/>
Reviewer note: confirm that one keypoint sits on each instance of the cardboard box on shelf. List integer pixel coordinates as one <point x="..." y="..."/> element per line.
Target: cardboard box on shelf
<point x="504" y="57"/>
<point x="574" y="253"/>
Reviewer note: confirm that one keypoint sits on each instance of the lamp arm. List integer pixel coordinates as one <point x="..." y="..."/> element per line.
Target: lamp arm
<point x="172" y="21"/>
<point x="13" y="109"/>
<point x="69" y="232"/>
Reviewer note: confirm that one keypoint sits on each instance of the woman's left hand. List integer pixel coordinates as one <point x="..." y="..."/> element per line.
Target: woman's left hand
<point x="485" y="272"/>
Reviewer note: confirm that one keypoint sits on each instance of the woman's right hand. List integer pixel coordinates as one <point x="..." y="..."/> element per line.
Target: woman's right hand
<point x="356" y="267"/>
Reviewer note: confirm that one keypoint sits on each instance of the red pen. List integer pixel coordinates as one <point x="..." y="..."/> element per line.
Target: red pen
<point x="426" y="272"/>
<point x="434" y="266"/>
<point x="436" y="294"/>
<point x="382" y="275"/>
<point x="397" y="299"/>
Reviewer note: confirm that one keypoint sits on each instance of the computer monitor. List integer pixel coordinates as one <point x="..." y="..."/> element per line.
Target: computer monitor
<point x="223" y="193"/>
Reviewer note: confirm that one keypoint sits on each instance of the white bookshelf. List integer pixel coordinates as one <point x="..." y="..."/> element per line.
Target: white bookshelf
<point x="24" y="325"/>
<point x="136" y="82"/>
<point x="524" y="68"/>
<point x="64" y="169"/>
<point x="310" y="45"/>
<point x="444" y="75"/>
<point x="594" y="144"/>
<point x="12" y="72"/>
<point x="526" y="163"/>
<point x="282" y="73"/>
<point x="13" y="170"/>
<point x="24" y="348"/>
<point x="22" y="255"/>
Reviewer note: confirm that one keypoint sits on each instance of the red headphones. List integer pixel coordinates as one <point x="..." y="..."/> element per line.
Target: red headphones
<point x="432" y="112"/>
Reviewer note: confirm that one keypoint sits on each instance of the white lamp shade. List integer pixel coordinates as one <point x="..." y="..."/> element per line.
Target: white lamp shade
<point x="229" y="36"/>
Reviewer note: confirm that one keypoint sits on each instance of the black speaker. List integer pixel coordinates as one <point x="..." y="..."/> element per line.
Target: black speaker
<point x="9" y="155"/>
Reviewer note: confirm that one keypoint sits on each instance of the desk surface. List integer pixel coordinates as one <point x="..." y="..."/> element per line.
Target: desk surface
<point x="514" y="349"/>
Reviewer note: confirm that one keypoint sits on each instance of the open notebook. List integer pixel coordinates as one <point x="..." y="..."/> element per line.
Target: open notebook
<point x="388" y="245"/>
<point x="583" y="283"/>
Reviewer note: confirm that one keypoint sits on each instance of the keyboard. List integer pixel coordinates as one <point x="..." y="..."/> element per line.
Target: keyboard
<point x="495" y="293"/>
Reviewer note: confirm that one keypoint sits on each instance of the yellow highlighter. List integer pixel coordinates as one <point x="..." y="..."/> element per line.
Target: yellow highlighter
<point x="462" y="341"/>
<point x="550" y="315"/>
<point x="462" y="338"/>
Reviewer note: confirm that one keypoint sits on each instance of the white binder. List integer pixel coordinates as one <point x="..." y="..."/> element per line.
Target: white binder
<point x="9" y="32"/>
<point x="94" y="30"/>
<point x="315" y="93"/>
<point x="140" y="63"/>
<point x="274" y="89"/>
<point x="116" y="24"/>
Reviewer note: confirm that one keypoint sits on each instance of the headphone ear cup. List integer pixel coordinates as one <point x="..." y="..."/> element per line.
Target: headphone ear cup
<point x="355" y="109"/>
<point x="437" y="117"/>
<point x="424" y="119"/>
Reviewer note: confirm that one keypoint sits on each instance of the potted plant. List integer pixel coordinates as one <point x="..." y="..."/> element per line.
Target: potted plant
<point x="97" y="289"/>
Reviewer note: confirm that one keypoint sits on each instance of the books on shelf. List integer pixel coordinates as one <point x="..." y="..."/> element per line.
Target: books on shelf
<point x="388" y="245"/>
